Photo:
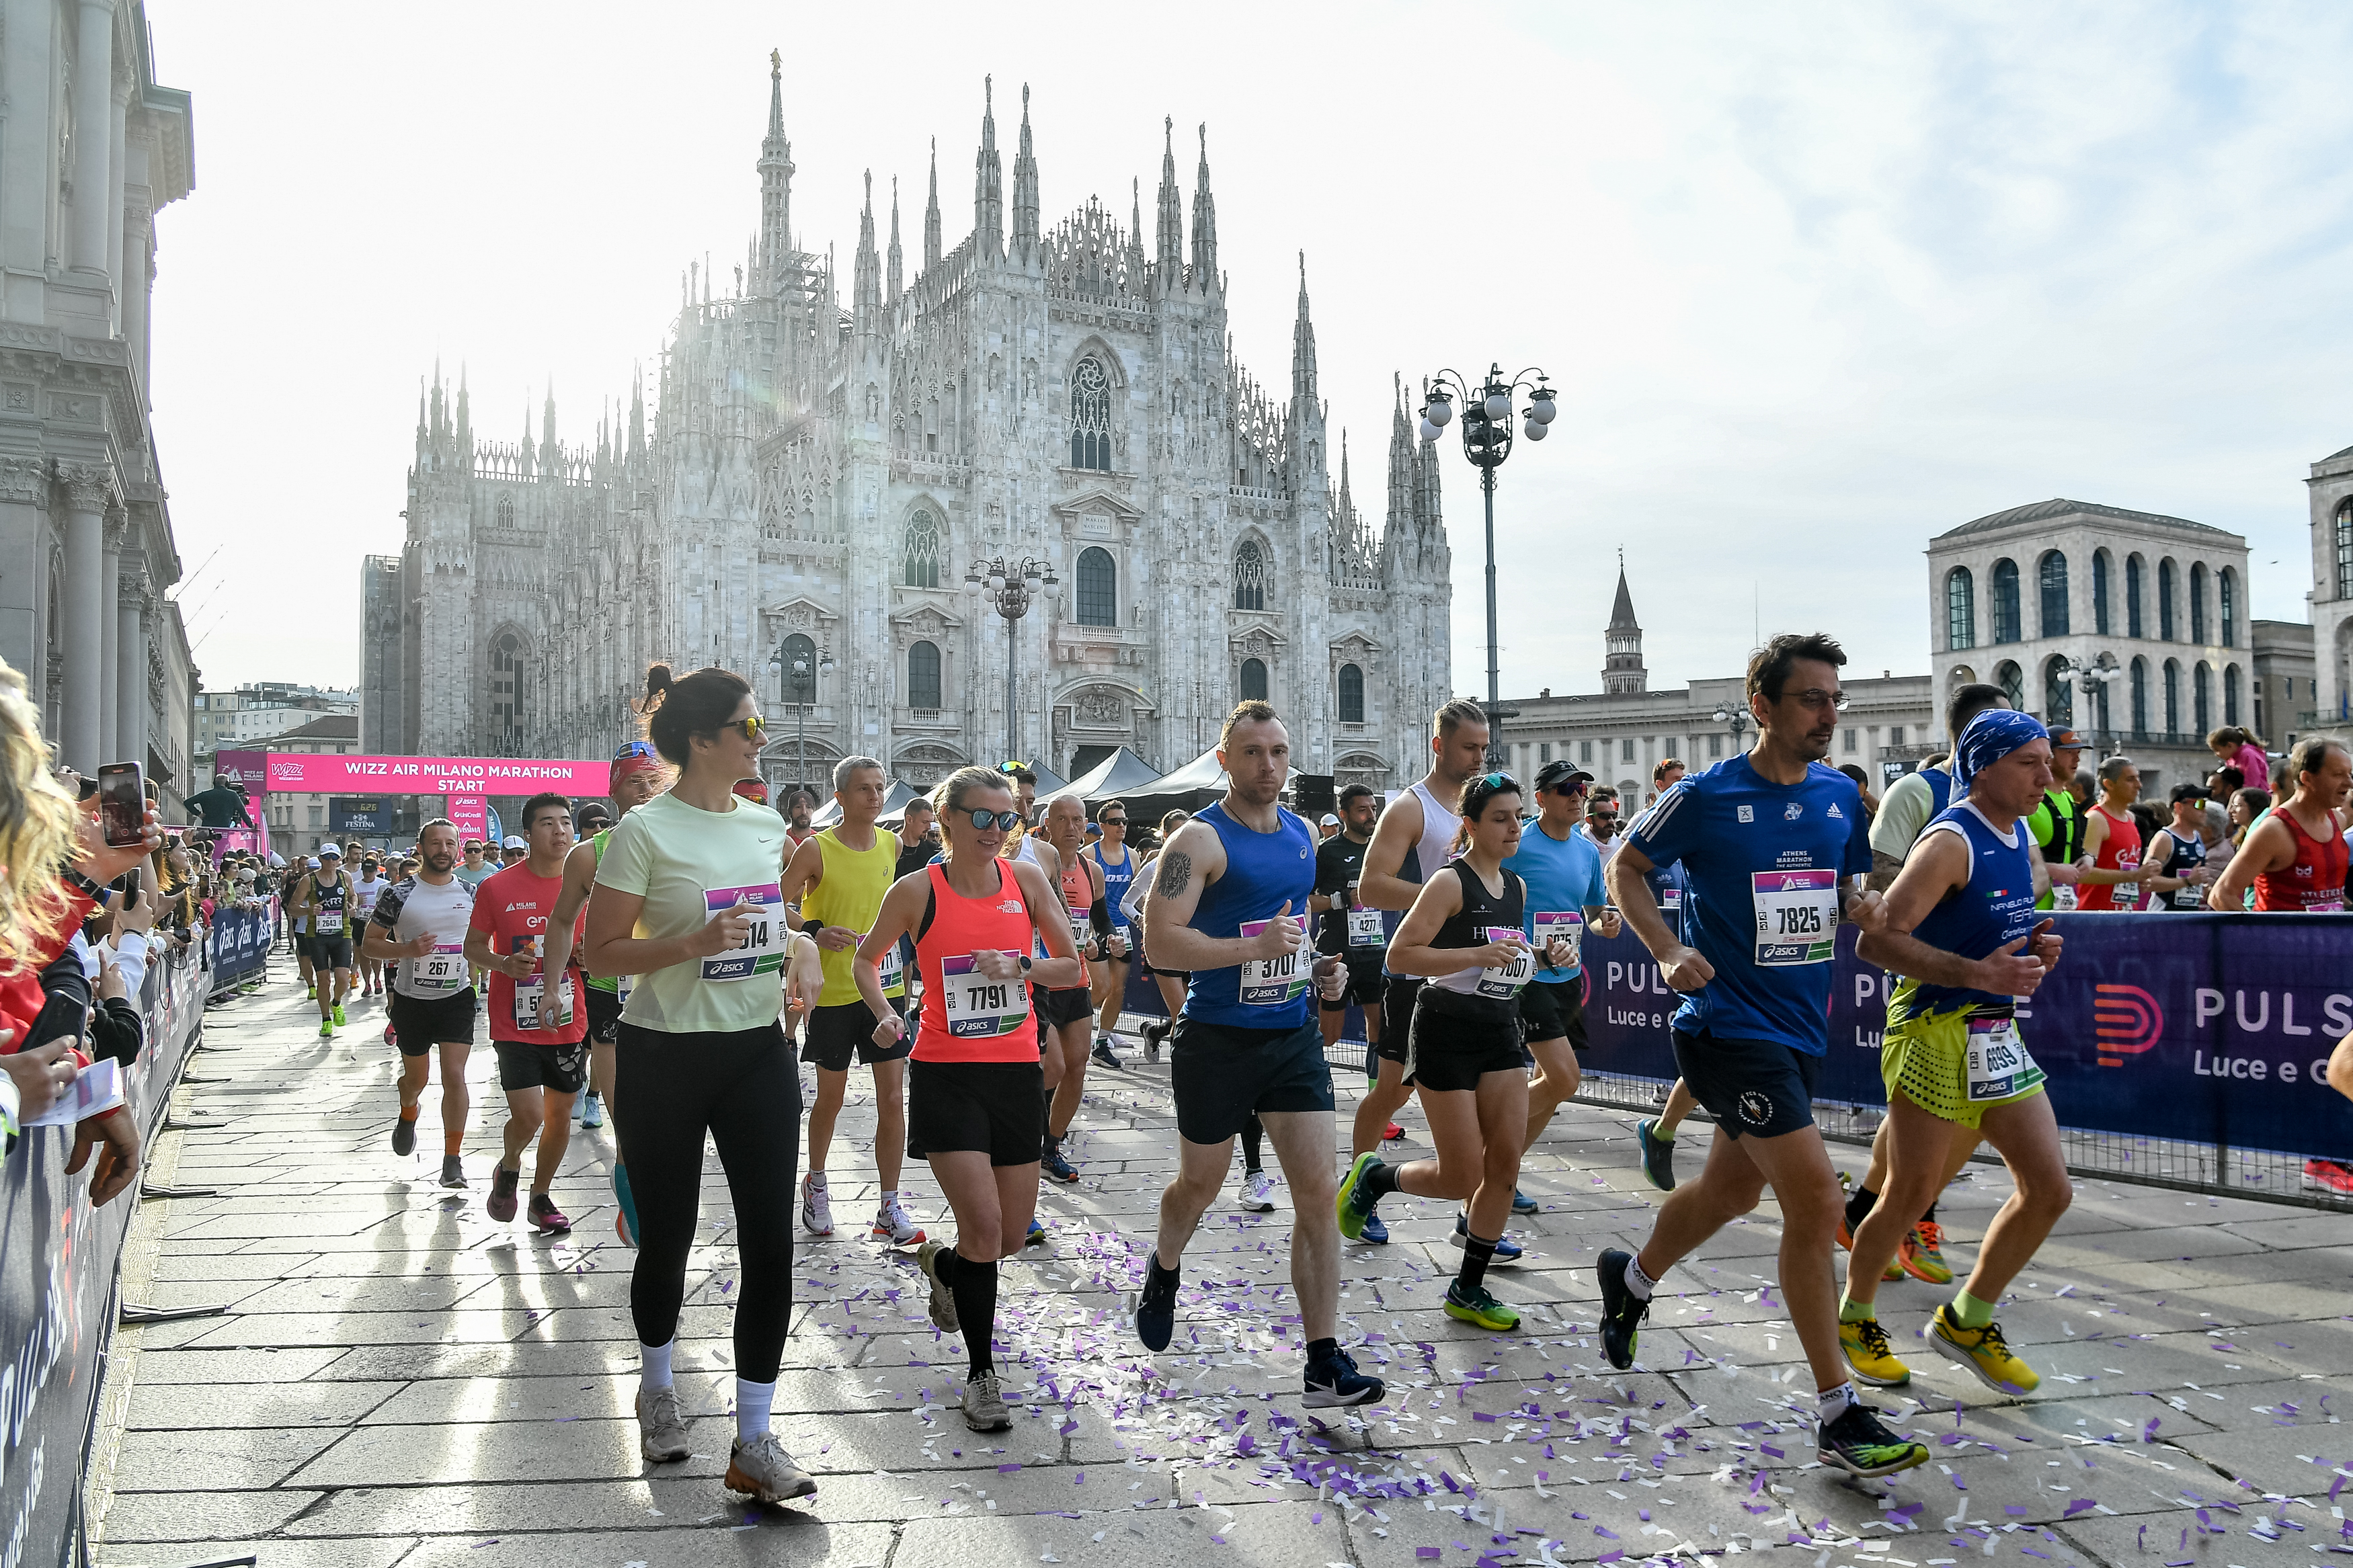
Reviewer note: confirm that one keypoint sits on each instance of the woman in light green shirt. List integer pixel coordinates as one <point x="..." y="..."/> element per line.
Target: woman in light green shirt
<point x="688" y="900"/>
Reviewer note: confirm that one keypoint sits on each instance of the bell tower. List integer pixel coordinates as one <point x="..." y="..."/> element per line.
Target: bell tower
<point x="1622" y="669"/>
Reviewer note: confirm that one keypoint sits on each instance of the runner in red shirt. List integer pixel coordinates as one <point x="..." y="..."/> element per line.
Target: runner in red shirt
<point x="542" y="1039"/>
<point x="2295" y="857"/>
<point x="2112" y="842"/>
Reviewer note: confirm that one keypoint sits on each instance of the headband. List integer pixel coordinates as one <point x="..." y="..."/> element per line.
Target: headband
<point x="633" y="757"/>
<point x="1991" y="736"/>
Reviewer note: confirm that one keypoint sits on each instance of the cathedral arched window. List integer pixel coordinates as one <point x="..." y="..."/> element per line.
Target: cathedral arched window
<point x="1960" y="609"/>
<point x="2230" y="694"/>
<point x="2100" y="592"/>
<point x="923" y="676"/>
<point x="1253" y="681"/>
<point x="2012" y="681"/>
<point x="1352" y="694"/>
<point x="1098" y="587"/>
<point x="2139" y="698"/>
<point x="2226" y="594"/>
<point x="506" y="512"/>
<point x="2132" y="595"/>
<point x="2052" y="571"/>
<point x="923" y="545"/>
<point x="2058" y="697"/>
<point x="2172" y="699"/>
<point x="1251" y="574"/>
<point x="2345" y="550"/>
<point x="1090" y="416"/>
<point x="2005" y="602"/>
<point x="507" y="688"/>
<point x="2165" y="603"/>
<point x="2198" y="605"/>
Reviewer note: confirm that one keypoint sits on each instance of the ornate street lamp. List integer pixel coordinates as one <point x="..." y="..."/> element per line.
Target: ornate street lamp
<point x="1487" y="413"/>
<point x="2095" y="678"/>
<point x="797" y="685"/>
<point x="1011" y="585"/>
<point x="1735" y="718"/>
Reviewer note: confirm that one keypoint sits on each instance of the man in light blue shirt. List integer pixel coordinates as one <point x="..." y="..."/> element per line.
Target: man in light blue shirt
<point x="1565" y="898"/>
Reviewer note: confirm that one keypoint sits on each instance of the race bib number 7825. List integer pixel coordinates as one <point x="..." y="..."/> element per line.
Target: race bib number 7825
<point x="1797" y="916"/>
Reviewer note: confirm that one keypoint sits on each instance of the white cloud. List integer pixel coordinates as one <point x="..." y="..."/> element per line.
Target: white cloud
<point x="1816" y="281"/>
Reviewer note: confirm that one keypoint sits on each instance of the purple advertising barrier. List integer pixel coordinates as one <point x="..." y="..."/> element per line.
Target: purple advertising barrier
<point x="2202" y="1027"/>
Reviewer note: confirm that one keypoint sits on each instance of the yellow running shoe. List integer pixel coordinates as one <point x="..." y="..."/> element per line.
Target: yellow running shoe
<point x="1864" y="1345"/>
<point x="1923" y="1254"/>
<point x="1479" y="1308"/>
<point x="1983" y="1352"/>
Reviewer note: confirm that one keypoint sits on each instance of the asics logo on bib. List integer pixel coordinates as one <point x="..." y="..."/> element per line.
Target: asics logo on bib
<point x="1755" y="1108"/>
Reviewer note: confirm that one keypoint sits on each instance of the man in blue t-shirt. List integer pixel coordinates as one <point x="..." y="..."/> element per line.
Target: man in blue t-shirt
<point x="1563" y="870"/>
<point x="1773" y="845"/>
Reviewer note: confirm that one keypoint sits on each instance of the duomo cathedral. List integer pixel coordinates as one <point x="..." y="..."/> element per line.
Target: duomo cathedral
<point x="815" y="484"/>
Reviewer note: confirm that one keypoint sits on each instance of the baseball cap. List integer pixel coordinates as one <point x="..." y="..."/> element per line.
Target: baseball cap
<point x="1558" y="771"/>
<point x="1329" y="821"/>
<point x="2182" y="792"/>
<point x="327" y="849"/>
<point x="514" y="841"/>
<point x="2063" y="738"/>
<point x="313" y="863"/>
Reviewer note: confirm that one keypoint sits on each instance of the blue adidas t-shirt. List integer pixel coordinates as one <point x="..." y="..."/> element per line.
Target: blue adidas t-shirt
<point x="1563" y="876"/>
<point x="1762" y="862"/>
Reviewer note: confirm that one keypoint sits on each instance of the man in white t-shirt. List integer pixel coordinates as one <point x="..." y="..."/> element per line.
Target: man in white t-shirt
<point x="418" y="926"/>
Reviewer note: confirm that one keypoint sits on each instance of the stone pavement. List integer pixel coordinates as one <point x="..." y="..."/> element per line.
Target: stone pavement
<point x="398" y="1380"/>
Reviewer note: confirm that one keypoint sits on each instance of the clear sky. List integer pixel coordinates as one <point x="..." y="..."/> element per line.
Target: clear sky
<point x="1816" y="281"/>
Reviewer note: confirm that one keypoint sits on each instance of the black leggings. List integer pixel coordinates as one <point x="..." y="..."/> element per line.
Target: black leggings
<point x="743" y="1090"/>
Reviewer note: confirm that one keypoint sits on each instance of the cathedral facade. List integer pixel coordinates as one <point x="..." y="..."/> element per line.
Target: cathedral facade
<point x="815" y="484"/>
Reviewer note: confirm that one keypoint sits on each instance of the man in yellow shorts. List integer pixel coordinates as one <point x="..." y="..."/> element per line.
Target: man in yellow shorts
<point x="1961" y="931"/>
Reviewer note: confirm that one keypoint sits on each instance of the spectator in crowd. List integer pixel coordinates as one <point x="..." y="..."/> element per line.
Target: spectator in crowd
<point x="2247" y="808"/>
<point x="2239" y="748"/>
<point x="1863" y="782"/>
<point x="223" y="805"/>
<point x="1600" y="823"/>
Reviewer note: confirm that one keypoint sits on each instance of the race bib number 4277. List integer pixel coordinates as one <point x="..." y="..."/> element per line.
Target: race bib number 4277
<point x="1797" y="916"/>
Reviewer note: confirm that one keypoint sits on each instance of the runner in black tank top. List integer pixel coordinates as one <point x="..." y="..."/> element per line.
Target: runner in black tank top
<point x="1464" y="936"/>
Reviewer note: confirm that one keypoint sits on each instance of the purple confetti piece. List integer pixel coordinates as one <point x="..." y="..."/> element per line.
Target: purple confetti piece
<point x="2078" y="1505"/>
<point x="1427" y="1553"/>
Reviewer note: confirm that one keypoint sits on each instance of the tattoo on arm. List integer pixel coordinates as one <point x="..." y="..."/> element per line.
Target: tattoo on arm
<point x="1176" y="873"/>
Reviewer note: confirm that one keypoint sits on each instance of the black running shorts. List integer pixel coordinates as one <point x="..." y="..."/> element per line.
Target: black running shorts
<point x="1066" y="1006"/>
<point x="1753" y="1088"/>
<point x="529" y="1064"/>
<point x="995" y="1108"/>
<point x="834" y="1035"/>
<point x="330" y="953"/>
<point x="604" y="1013"/>
<point x="1397" y="1017"/>
<point x="1220" y="1075"/>
<point x="1453" y="1042"/>
<point x="418" y="1025"/>
<point x="1553" y="1010"/>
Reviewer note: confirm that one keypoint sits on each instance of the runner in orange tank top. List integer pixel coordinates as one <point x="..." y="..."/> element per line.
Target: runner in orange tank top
<point x="2295" y="857"/>
<point x="2112" y="842"/>
<point x="973" y="1104"/>
<point x="1069" y="1014"/>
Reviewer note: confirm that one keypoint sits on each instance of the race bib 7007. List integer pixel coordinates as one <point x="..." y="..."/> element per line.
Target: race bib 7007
<point x="1505" y="983"/>
<point x="1797" y="916"/>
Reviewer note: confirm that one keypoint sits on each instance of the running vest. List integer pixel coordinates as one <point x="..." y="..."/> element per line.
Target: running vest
<point x="1440" y="824"/>
<point x="1996" y="908"/>
<point x="1078" y="906"/>
<point x="966" y="1016"/>
<point x="1485" y="917"/>
<point x="1116" y="877"/>
<point x="850" y="895"/>
<point x="1941" y="792"/>
<point x="331" y="913"/>
<point x="2119" y="852"/>
<point x="1263" y="871"/>
<point x="616" y="985"/>
<point x="2179" y="858"/>
<point x="2313" y="882"/>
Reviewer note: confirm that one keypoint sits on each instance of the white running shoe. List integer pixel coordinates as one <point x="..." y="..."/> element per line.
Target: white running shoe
<point x="662" y="1430"/>
<point x="1258" y="1193"/>
<point x="816" y="1205"/>
<point x="895" y="1225"/>
<point x="758" y="1468"/>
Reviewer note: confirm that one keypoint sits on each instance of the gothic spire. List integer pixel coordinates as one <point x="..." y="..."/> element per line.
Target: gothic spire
<point x="775" y="168"/>
<point x="1170" y="234"/>
<point x="547" y="425"/>
<point x="1303" y="343"/>
<point x="465" y="421"/>
<point x="987" y="182"/>
<point x="1025" y="191"/>
<point x="866" y="285"/>
<point x="1205" y="224"/>
<point x="1400" y="507"/>
<point x="1345" y="516"/>
<point x="638" y="414"/>
<point x="931" y="214"/>
<point x="892" y="280"/>
<point x="1621" y="665"/>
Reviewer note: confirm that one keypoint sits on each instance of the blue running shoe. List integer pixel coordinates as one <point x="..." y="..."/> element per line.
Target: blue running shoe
<point x="1506" y="1250"/>
<point x="1155" y="1306"/>
<point x="1522" y="1202"/>
<point x="1355" y="1203"/>
<point x="1037" y="1233"/>
<point x="1658" y="1156"/>
<point x="1334" y="1382"/>
<point x="1374" y="1231"/>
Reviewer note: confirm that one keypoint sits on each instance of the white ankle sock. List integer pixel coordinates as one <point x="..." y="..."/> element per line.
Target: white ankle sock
<point x="752" y="1402"/>
<point x="653" y="1365"/>
<point x="1638" y="1282"/>
<point x="1831" y="1403"/>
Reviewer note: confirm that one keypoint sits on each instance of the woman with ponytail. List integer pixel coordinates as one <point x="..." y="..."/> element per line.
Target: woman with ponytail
<point x="688" y="901"/>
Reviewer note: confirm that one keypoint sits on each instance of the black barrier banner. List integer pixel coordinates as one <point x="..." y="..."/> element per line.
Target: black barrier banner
<point x="238" y="944"/>
<point x="2206" y="1027"/>
<point x="58" y="1259"/>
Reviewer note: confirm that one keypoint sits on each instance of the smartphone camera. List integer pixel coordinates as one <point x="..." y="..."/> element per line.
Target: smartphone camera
<point x="123" y="803"/>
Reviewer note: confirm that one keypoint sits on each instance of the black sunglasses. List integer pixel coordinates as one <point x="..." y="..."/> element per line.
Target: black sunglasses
<point x="1115" y="822"/>
<point x="1004" y="821"/>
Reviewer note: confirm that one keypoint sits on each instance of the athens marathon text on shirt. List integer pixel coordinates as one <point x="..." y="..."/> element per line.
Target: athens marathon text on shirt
<point x="1762" y="862"/>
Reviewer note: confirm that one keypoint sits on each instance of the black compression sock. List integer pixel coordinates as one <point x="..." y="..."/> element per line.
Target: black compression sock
<point x="1928" y="1216"/>
<point x="1253" y="1136"/>
<point x="1381" y="1179"/>
<point x="1322" y="1350"/>
<point x="1858" y="1208"/>
<point x="944" y="1264"/>
<point x="1476" y="1255"/>
<point x="975" y="1303"/>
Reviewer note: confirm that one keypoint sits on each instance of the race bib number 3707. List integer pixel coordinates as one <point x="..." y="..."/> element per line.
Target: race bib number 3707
<point x="762" y="951"/>
<point x="1797" y="916"/>
<point x="1270" y="981"/>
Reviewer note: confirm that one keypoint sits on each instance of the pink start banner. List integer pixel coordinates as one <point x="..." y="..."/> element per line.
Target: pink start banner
<point x="304" y="773"/>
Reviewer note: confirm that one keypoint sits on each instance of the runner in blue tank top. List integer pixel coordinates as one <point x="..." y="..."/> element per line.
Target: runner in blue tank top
<point x="1116" y="861"/>
<point x="1773" y="843"/>
<point x="1960" y="925"/>
<point x="1228" y="903"/>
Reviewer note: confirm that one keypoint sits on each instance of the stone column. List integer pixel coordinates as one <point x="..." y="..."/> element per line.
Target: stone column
<point x="88" y="490"/>
<point x="93" y="135"/>
<point x="117" y="132"/>
<point x="110" y="570"/>
<point x="131" y="668"/>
